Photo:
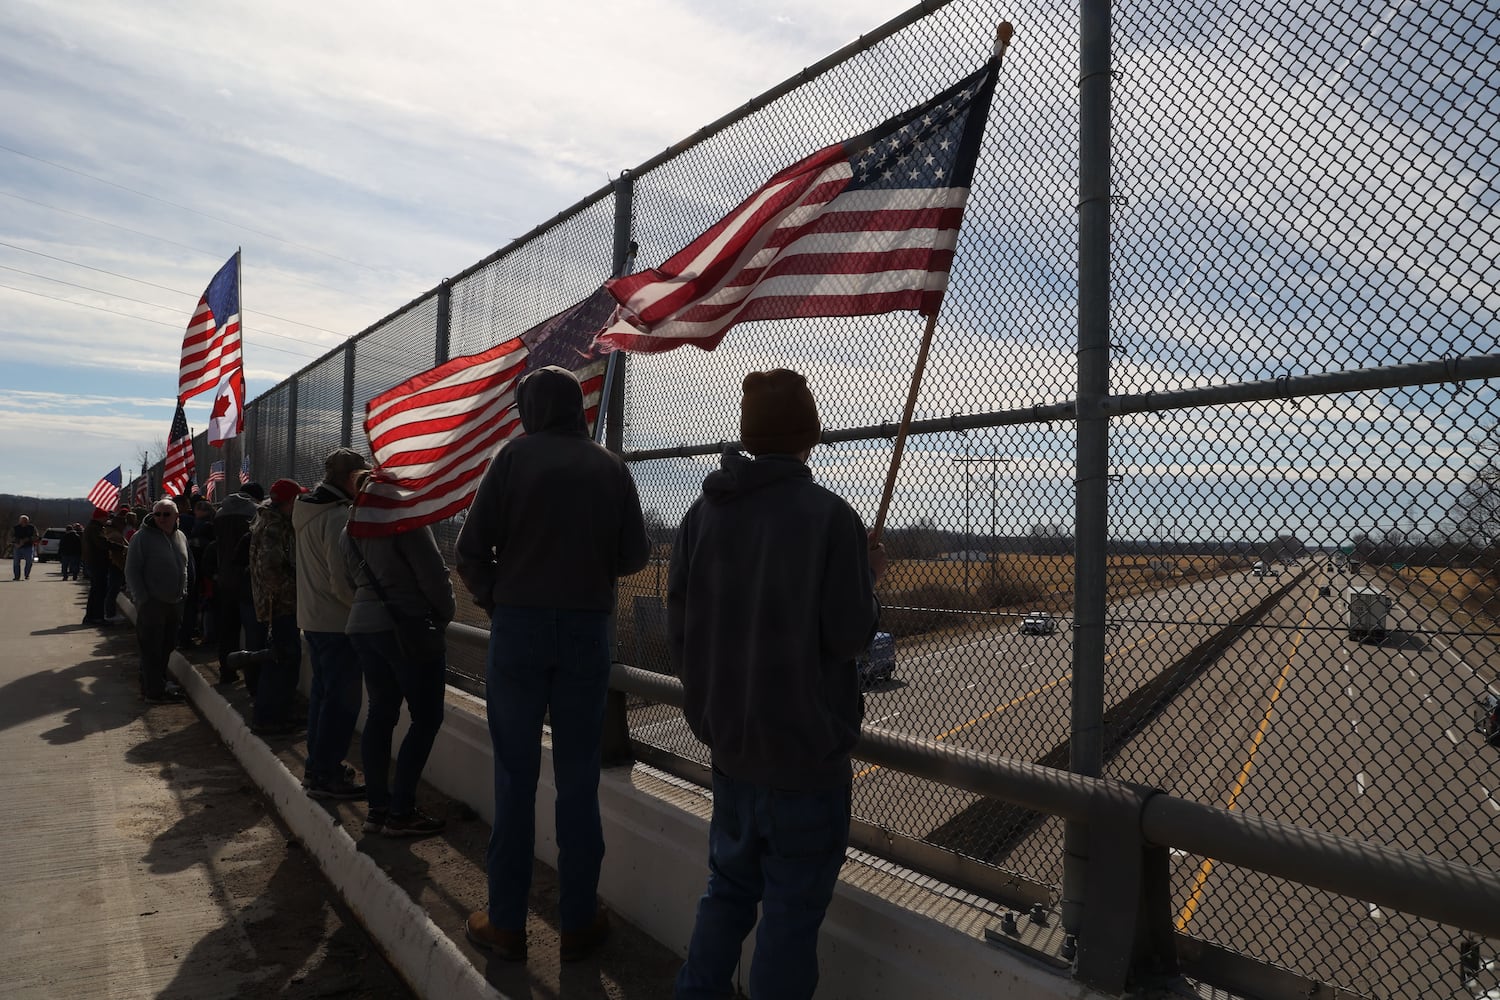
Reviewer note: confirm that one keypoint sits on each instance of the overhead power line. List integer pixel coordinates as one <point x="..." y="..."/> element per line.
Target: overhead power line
<point x="155" y="305"/>
<point x="152" y="284"/>
<point x="218" y="254"/>
<point x="140" y="319"/>
<point x="194" y="211"/>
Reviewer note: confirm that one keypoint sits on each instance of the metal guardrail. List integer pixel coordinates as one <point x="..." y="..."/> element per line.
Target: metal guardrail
<point x="1413" y="883"/>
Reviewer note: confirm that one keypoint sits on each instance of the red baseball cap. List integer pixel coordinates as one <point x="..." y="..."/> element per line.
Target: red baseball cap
<point x="284" y="490"/>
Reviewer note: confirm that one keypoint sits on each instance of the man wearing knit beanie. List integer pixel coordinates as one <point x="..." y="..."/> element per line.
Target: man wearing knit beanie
<point x="770" y="599"/>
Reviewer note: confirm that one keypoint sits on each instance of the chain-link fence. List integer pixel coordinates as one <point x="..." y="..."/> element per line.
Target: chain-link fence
<point x="1294" y="608"/>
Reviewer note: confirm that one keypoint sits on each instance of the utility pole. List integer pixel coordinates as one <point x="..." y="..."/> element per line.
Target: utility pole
<point x="993" y="461"/>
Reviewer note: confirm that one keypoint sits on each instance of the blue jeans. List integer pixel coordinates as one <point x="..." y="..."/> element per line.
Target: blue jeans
<point x="277" y="681"/>
<point x="23" y="553"/>
<point x="545" y="660"/>
<point x="332" y="703"/>
<point x="781" y="850"/>
<point x="391" y="678"/>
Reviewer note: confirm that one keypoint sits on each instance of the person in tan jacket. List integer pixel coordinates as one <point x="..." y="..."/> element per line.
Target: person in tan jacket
<point x="325" y="594"/>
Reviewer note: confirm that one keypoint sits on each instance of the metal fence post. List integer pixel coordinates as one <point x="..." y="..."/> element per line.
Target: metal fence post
<point x="346" y="430"/>
<point x="290" y="465"/>
<point x="616" y="738"/>
<point x="1091" y="511"/>
<point x="441" y="347"/>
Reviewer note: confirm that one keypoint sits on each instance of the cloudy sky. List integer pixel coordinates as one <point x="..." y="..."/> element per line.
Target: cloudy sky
<point x="359" y="153"/>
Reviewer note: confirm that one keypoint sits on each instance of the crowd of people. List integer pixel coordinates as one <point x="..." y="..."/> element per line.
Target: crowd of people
<point x="770" y="599"/>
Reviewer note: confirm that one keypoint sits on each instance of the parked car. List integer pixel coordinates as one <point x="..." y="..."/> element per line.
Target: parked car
<point x="878" y="663"/>
<point x="1038" y="623"/>
<point x="47" y="547"/>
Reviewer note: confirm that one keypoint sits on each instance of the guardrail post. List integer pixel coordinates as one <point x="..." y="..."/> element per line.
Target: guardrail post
<point x="1126" y="939"/>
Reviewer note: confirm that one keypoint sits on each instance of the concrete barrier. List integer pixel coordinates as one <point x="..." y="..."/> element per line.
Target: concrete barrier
<point x="656" y="832"/>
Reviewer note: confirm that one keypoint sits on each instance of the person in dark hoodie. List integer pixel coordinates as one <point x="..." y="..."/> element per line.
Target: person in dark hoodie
<point x="770" y="598"/>
<point x="555" y="523"/>
<point x="231" y="526"/>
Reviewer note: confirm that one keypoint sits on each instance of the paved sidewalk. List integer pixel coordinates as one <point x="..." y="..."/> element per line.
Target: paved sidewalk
<point x="140" y="861"/>
<point x="153" y="865"/>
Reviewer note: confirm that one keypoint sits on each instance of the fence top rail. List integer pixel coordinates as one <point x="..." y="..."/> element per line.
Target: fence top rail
<point x="1434" y="888"/>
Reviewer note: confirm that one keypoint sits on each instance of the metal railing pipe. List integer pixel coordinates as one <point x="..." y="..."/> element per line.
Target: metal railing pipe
<point x="1423" y="886"/>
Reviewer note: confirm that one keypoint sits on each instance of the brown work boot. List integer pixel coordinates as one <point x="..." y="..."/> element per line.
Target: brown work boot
<point x="580" y="944"/>
<point x="509" y="945"/>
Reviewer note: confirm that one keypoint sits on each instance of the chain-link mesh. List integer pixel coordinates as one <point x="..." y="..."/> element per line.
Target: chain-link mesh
<point x="1300" y="593"/>
<point x="320" y="416"/>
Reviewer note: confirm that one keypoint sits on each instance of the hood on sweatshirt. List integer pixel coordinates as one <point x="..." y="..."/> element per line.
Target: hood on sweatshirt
<point x="550" y="399"/>
<point x="738" y="475"/>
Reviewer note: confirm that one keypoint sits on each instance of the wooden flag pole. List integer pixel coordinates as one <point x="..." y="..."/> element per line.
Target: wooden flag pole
<point x="1003" y="34"/>
<point x="911" y="404"/>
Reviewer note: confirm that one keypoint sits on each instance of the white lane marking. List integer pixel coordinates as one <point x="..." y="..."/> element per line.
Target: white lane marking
<point x="1411" y="673"/>
<point x="1375" y="913"/>
<point x="1494" y="806"/>
<point x="972" y="686"/>
<point x="884" y="717"/>
<point x="1452" y="737"/>
<point x="1178" y="852"/>
<point x="1359" y="779"/>
<point x="1349" y="691"/>
<point x="1426" y="699"/>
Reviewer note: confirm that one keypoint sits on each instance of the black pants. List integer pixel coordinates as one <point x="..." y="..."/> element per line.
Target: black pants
<point x="156" y="624"/>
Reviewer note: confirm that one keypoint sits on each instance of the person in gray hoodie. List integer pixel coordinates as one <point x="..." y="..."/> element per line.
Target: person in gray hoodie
<point x="770" y="598"/>
<point x="159" y="572"/>
<point x="401" y="575"/>
<point x="556" y="522"/>
<point x="325" y="594"/>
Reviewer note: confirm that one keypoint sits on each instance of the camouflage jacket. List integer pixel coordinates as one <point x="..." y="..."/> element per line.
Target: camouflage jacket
<point x="273" y="564"/>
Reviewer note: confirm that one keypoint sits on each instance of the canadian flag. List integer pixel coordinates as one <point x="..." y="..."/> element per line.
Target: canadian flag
<point x="228" y="417"/>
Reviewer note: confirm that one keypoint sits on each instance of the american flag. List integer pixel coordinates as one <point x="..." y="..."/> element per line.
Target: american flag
<point x="141" y="490"/>
<point x="864" y="226"/>
<point x="434" y="435"/>
<point x="215" y="477"/>
<point x="177" y="472"/>
<point x="211" y="348"/>
<point x="244" y="470"/>
<point x="106" y="492"/>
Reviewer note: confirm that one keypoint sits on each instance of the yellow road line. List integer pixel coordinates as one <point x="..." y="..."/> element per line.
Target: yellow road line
<point x="1195" y="898"/>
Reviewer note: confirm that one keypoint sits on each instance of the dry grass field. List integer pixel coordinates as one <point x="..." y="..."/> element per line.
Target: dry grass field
<point x="920" y="594"/>
<point x="1468" y="595"/>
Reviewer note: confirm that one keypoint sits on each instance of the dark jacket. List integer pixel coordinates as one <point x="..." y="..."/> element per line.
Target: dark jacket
<point x="557" y="519"/>
<point x="230" y="527"/>
<point x="71" y="544"/>
<point x="412" y="575"/>
<point x="769" y="600"/>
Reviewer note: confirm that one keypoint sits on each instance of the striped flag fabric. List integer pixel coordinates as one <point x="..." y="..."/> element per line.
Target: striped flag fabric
<point x="141" y="490"/>
<point x="106" y="492"/>
<point x="177" y="471"/>
<point x="433" y="435"/>
<point x="211" y="347"/>
<point x="244" y="469"/>
<point x="215" y="478"/>
<point x="864" y="226"/>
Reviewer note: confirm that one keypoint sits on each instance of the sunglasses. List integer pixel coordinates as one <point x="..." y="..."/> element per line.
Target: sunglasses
<point x="165" y="513"/>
